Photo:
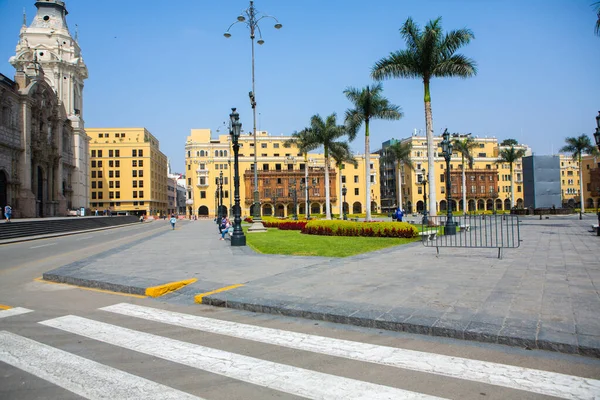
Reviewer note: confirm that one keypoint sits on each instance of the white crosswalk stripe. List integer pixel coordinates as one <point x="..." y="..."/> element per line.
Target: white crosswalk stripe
<point x="14" y="311"/>
<point x="79" y="375"/>
<point x="285" y="378"/>
<point x="532" y="380"/>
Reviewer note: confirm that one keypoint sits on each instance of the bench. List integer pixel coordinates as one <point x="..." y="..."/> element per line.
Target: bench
<point x="465" y="227"/>
<point x="428" y="235"/>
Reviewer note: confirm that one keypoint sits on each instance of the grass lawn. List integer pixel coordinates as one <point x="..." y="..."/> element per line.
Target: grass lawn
<point x="293" y="243"/>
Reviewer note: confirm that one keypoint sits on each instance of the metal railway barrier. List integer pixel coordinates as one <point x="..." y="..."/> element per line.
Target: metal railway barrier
<point x="473" y="231"/>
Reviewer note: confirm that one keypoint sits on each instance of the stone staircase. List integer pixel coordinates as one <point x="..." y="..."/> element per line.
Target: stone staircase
<point x="19" y="229"/>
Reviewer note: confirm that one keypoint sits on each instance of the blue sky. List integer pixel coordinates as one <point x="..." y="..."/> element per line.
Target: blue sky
<point x="166" y="66"/>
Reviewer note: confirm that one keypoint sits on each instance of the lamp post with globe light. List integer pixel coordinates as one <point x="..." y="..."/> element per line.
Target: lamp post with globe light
<point x="237" y="238"/>
<point x="424" y="182"/>
<point x="446" y="145"/>
<point x="251" y="18"/>
<point x="344" y="191"/>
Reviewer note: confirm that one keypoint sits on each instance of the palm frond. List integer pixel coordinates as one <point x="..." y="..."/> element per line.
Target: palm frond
<point x="341" y="153"/>
<point x="454" y="40"/>
<point x="411" y="33"/>
<point x="457" y="65"/>
<point x="400" y="152"/>
<point x="401" y="64"/>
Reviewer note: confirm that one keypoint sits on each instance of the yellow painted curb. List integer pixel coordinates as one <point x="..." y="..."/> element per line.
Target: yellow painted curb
<point x="3" y="307"/>
<point x="198" y="297"/>
<point x="139" y="296"/>
<point x="158" y="291"/>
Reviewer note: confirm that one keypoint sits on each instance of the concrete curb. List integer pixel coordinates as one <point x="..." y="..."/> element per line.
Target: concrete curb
<point x="407" y="320"/>
<point x="59" y="234"/>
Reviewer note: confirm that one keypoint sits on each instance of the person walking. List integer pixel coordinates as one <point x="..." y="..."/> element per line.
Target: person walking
<point x="173" y="220"/>
<point x="399" y="214"/>
<point x="8" y="212"/>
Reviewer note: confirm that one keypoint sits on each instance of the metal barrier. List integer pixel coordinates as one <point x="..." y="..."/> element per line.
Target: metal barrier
<point x="473" y="231"/>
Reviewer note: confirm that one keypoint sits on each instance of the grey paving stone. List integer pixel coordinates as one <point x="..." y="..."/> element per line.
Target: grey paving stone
<point x="482" y="332"/>
<point x="564" y="342"/>
<point x="515" y="335"/>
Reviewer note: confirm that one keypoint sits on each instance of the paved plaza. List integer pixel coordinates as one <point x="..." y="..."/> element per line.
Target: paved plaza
<point x="543" y="294"/>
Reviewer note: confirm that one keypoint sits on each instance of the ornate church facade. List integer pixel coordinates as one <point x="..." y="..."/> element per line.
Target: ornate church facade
<point x="43" y="145"/>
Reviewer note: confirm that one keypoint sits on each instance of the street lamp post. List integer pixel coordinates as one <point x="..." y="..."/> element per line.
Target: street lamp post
<point x="251" y="18"/>
<point x="446" y="146"/>
<point x="344" y="191"/>
<point x="424" y="182"/>
<point x="237" y="238"/>
<point x="597" y="139"/>
<point x="307" y="187"/>
<point x="221" y="213"/>
<point x="294" y="194"/>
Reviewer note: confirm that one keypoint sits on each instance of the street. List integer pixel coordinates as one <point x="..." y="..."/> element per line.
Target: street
<point x="62" y="342"/>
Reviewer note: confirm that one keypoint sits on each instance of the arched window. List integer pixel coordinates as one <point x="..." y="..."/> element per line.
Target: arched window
<point x="216" y="153"/>
<point x="225" y="153"/>
<point x="201" y="153"/>
<point x="220" y="153"/>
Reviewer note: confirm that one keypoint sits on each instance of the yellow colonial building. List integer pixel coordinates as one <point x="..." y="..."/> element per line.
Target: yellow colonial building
<point x="128" y="172"/>
<point x="282" y="177"/>
<point x="569" y="181"/>
<point x="591" y="183"/>
<point x="488" y="184"/>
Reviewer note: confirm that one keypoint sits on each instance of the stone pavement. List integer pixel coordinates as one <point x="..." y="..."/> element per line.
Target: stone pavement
<point x="543" y="295"/>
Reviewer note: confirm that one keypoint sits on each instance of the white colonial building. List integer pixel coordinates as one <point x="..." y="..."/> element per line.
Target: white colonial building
<point x="43" y="145"/>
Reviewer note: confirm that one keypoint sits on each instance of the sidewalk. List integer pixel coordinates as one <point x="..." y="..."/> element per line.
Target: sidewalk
<point x="543" y="295"/>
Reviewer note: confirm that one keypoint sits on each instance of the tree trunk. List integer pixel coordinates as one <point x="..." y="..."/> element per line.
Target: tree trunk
<point x="464" y="187"/>
<point x="399" y="185"/>
<point x="367" y="172"/>
<point x="430" y="152"/>
<point x="327" y="205"/>
<point x="581" y="187"/>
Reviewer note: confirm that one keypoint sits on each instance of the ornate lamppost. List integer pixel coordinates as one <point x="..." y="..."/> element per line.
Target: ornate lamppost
<point x="424" y="182"/>
<point x="597" y="139"/>
<point x="446" y="146"/>
<point x="344" y="191"/>
<point x="294" y="194"/>
<point x="251" y="18"/>
<point x="221" y="213"/>
<point x="238" y="238"/>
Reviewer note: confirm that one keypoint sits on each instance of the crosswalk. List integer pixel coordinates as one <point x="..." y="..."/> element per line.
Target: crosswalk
<point x="94" y="380"/>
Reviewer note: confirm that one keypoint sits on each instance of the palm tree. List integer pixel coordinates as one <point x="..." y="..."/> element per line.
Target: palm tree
<point x="597" y="28"/>
<point x="464" y="147"/>
<point x="340" y="152"/>
<point x="302" y="141"/>
<point x="368" y="104"/>
<point x="429" y="54"/>
<point x="578" y="146"/>
<point x="400" y="153"/>
<point x="325" y="133"/>
<point x="510" y="155"/>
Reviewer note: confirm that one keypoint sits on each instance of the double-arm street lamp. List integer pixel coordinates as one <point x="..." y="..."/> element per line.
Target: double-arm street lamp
<point x="597" y="139"/>
<point x="424" y="182"/>
<point x="238" y="238"/>
<point x="344" y="191"/>
<point x="447" y="149"/>
<point x="251" y="18"/>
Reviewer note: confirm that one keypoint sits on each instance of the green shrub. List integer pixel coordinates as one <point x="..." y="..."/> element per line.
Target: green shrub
<point x="367" y="229"/>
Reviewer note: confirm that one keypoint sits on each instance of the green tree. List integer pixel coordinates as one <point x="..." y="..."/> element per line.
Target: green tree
<point x="578" y="146"/>
<point x="341" y="154"/>
<point x="325" y="133"/>
<point x="510" y="155"/>
<point x="302" y="141"/>
<point x="509" y="142"/>
<point x="464" y="146"/>
<point x="400" y="154"/>
<point x="429" y="53"/>
<point x="369" y="104"/>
